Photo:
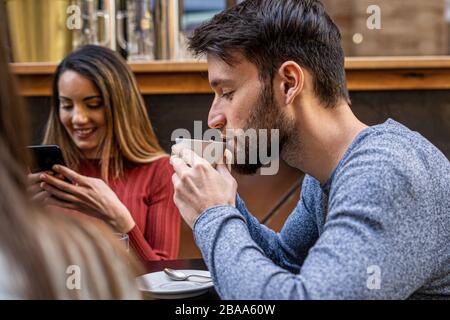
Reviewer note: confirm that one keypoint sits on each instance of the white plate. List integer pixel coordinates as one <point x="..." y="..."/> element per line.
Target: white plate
<point x="159" y="285"/>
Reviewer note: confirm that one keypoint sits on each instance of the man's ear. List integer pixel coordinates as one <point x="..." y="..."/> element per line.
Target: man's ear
<point x="292" y="80"/>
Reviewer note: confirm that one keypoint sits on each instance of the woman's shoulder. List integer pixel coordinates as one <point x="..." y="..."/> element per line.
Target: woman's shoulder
<point x="155" y="177"/>
<point x="162" y="163"/>
<point x="158" y="168"/>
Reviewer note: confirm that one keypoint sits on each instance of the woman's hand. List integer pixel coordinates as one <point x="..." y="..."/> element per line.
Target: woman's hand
<point x="35" y="190"/>
<point x="88" y="195"/>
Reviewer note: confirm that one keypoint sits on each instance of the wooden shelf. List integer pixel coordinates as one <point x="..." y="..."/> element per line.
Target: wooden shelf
<point x="189" y="77"/>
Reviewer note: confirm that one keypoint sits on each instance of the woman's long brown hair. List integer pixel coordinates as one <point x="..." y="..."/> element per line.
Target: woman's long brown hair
<point x="39" y="247"/>
<point x="129" y="134"/>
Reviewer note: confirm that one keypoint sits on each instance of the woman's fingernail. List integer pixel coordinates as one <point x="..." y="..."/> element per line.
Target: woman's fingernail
<point x="55" y="167"/>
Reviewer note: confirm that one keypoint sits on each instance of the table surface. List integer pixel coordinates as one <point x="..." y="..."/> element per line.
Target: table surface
<point x="196" y="264"/>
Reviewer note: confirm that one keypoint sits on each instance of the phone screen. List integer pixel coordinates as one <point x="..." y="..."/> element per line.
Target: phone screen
<point x="45" y="157"/>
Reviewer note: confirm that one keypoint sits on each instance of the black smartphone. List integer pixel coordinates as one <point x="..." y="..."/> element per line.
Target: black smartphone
<point x="45" y="157"/>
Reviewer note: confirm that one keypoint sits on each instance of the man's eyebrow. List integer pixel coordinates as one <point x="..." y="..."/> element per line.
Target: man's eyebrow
<point x="217" y="82"/>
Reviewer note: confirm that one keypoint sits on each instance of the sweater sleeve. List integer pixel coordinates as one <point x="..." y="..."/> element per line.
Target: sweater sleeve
<point x="161" y="237"/>
<point x="375" y="243"/>
<point x="287" y="249"/>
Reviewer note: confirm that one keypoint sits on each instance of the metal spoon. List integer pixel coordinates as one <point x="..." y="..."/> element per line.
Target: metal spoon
<point x="177" y="275"/>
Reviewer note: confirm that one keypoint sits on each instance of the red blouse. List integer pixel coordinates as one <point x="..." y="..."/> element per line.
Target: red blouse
<point x="147" y="191"/>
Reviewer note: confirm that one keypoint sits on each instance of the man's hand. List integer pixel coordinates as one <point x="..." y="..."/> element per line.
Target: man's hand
<point x="198" y="186"/>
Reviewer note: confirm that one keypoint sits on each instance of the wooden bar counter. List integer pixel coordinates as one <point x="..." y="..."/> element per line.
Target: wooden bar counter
<point x="190" y="77"/>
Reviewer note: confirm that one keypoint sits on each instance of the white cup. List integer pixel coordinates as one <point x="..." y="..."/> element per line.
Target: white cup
<point x="211" y="151"/>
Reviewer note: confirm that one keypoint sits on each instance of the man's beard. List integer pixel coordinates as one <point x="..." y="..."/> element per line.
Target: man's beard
<point x="265" y="114"/>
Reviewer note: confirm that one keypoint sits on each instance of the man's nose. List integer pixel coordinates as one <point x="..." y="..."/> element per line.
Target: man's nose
<point x="216" y="120"/>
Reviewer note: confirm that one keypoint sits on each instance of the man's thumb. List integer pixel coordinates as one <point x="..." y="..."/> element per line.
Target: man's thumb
<point x="224" y="167"/>
<point x="223" y="170"/>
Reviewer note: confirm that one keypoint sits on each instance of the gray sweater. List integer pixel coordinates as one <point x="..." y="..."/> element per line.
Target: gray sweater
<point x="378" y="229"/>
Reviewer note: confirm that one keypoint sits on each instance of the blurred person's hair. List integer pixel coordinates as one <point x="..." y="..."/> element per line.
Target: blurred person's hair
<point x="271" y="32"/>
<point x="38" y="246"/>
<point x="129" y="133"/>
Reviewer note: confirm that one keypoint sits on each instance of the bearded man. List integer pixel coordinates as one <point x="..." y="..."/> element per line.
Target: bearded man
<point x="373" y="218"/>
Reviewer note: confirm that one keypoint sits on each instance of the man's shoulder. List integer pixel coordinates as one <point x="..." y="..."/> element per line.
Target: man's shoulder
<point x="391" y="162"/>
<point x="392" y="145"/>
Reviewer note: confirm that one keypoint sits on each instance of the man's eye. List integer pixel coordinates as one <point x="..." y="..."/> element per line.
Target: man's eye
<point x="228" y="95"/>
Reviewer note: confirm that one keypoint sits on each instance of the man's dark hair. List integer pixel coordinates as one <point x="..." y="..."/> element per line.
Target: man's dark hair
<point x="270" y="32"/>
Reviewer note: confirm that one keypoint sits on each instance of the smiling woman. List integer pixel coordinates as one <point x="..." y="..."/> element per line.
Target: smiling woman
<point x="119" y="172"/>
<point x="93" y="88"/>
<point x="81" y="112"/>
